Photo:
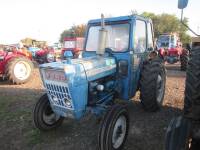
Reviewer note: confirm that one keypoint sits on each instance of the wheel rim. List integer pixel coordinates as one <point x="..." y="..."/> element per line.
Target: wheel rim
<point x="49" y="117"/>
<point x="119" y="131"/>
<point x="160" y="88"/>
<point x="22" y="70"/>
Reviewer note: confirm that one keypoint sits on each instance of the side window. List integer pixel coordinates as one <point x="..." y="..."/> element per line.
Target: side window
<point x="150" y="36"/>
<point x="140" y="40"/>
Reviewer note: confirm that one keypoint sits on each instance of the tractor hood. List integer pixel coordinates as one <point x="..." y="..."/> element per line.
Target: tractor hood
<point x="77" y="71"/>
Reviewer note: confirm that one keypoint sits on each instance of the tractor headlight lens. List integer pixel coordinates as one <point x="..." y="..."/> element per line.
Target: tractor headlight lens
<point x="67" y="102"/>
<point x="54" y="99"/>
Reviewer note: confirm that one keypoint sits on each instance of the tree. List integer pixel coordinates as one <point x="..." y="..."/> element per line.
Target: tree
<point x="74" y="31"/>
<point x="167" y="23"/>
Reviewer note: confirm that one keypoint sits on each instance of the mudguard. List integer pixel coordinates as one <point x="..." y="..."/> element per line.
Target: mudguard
<point x="178" y="134"/>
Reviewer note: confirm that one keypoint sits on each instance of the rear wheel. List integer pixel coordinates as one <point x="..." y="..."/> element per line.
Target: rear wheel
<point x="114" y="129"/>
<point x="19" y="70"/>
<point x="179" y="134"/>
<point x="43" y="116"/>
<point x="184" y="59"/>
<point x="152" y="84"/>
<point x="192" y="96"/>
<point x="192" y="88"/>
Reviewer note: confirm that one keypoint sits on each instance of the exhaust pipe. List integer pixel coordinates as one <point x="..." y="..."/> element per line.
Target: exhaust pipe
<point x="102" y="37"/>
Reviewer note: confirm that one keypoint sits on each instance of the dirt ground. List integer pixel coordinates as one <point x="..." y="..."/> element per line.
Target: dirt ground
<point x="147" y="130"/>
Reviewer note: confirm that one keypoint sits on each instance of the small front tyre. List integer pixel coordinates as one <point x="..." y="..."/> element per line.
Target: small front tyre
<point x="114" y="129"/>
<point x="43" y="116"/>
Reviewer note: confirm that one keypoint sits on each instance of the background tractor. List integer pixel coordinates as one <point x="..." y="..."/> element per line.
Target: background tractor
<point x="114" y="65"/>
<point x="171" y="50"/>
<point x="183" y="132"/>
<point x="15" y="64"/>
<point x="72" y="47"/>
<point x="41" y="53"/>
<point x="45" y="55"/>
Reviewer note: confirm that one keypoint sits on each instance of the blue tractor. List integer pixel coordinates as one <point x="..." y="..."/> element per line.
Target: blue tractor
<point x="117" y="61"/>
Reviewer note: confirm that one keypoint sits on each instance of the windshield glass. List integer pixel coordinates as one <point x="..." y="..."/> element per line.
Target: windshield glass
<point x="163" y="41"/>
<point x="69" y="44"/>
<point x="117" y="37"/>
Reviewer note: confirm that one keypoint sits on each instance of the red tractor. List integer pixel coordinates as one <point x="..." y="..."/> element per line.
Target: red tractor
<point x="72" y="47"/>
<point x="15" y="64"/>
<point x="45" y="55"/>
<point x="171" y="50"/>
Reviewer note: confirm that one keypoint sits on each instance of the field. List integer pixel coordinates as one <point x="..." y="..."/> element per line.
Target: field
<point x="147" y="130"/>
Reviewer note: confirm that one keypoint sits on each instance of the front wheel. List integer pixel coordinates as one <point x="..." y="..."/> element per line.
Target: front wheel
<point x="43" y="116"/>
<point x="114" y="129"/>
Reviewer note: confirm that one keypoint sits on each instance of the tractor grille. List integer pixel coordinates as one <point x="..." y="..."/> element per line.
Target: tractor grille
<point x="59" y="95"/>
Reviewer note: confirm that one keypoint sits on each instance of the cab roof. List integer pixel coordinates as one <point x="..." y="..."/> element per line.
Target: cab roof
<point x="121" y="18"/>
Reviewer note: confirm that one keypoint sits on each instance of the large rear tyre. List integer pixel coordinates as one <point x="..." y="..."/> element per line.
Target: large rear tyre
<point x="19" y="70"/>
<point x="152" y="84"/>
<point x="192" y="88"/>
<point x="43" y="117"/>
<point x="114" y="129"/>
<point x="184" y="60"/>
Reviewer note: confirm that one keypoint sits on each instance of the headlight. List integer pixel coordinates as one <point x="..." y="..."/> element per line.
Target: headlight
<point x="55" y="99"/>
<point x="67" y="102"/>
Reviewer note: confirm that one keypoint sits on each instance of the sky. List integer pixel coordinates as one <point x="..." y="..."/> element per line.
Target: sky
<point x="46" y="19"/>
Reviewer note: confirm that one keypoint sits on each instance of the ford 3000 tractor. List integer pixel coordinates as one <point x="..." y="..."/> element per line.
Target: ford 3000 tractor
<point x="118" y="60"/>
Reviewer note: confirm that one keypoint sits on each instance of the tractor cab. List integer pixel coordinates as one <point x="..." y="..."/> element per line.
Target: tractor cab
<point x="125" y="40"/>
<point x="72" y="46"/>
<point x="168" y="41"/>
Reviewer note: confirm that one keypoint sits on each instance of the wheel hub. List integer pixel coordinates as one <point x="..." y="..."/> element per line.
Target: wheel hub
<point x="49" y="116"/>
<point x="21" y="70"/>
<point x="119" y="132"/>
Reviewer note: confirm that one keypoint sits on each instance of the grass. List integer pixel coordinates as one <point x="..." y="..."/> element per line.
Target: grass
<point x="15" y="115"/>
<point x="34" y="137"/>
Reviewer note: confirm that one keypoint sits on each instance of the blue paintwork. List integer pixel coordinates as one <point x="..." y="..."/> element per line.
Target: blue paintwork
<point x="182" y="4"/>
<point x="80" y="72"/>
<point x="68" y="54"/>
<point x="172" y="59"/>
